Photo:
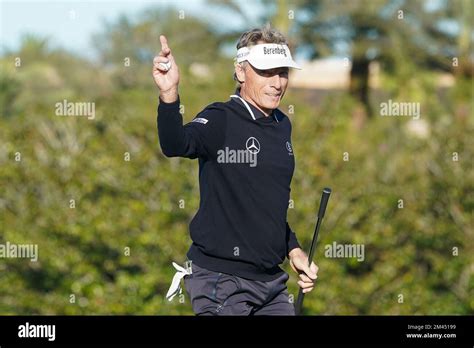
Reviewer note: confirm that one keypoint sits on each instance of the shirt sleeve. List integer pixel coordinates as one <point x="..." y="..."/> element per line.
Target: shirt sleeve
<point x="291" y="240"/>
<point x="202" y="137"/>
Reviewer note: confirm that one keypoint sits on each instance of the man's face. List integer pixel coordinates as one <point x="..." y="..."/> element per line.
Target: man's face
<point x="264" y="87"/>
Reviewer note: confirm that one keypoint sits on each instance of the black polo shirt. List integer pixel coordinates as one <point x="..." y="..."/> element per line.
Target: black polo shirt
<point x="246" y="164"/>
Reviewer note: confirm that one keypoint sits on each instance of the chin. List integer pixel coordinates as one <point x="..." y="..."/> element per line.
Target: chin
<point x="270" y="105"/>
<point x="273" y="105"/>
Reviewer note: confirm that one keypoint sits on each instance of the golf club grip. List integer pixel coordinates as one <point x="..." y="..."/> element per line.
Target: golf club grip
<point x="324" y="202"/>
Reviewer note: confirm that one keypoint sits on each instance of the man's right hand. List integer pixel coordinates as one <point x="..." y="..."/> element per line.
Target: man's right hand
<point x="166" y="80"/>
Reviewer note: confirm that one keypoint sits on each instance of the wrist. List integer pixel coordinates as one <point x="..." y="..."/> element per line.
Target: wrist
<point x="294" y="252"/>
<point x="169" y="96"/>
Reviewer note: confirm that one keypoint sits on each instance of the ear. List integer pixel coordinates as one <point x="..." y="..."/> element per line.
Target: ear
<point x="239" y="72"/>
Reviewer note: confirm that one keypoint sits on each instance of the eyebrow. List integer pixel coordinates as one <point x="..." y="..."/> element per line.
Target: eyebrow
<point x="273" y="71"/>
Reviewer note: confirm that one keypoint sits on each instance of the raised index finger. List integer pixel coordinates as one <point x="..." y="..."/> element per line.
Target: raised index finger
<point x="164" y="43"/>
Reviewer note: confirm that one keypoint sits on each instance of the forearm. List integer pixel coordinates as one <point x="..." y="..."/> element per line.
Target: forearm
<point x="170" y="126"/>
<point x="292" y="241"/>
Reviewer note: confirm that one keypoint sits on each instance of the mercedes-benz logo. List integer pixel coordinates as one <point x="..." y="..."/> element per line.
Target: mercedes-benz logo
<point x="252" y="145"/>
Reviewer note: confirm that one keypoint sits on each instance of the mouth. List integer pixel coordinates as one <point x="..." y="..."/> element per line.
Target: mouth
<point x="274" y="96"/>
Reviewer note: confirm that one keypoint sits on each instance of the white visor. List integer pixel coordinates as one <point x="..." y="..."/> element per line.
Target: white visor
<point x="267" y="56"/>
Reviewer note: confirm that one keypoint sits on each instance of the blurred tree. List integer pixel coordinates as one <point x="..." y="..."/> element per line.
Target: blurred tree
<point x="128" y="48"/>
<point x="463" y="10"/>
<point x="277" y="13"/>
<point x="397" y="33"/>
<point x="10" y="87"/>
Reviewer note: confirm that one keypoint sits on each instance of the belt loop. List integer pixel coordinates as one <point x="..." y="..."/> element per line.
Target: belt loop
<point x="189" y="266"/>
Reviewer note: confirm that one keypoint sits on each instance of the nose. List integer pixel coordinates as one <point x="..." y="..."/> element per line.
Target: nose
<point x="276" y="82"/>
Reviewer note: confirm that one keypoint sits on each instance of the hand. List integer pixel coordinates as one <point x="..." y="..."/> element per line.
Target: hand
<point x="166" y="80"/>
<point x="307" y="275"/>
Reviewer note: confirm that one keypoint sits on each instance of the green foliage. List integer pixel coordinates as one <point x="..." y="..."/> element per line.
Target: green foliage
<point x="408" y="251"/>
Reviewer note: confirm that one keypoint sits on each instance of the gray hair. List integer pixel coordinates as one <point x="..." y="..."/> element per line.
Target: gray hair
<point x="265" y="34"/>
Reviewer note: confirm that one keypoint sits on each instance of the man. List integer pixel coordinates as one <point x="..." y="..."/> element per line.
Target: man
<point x="246" y="162"/>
